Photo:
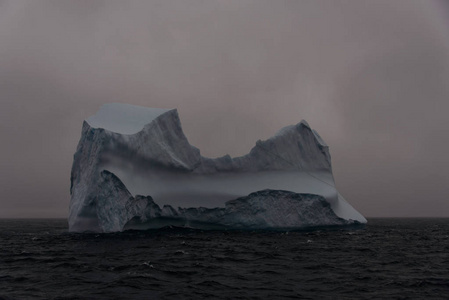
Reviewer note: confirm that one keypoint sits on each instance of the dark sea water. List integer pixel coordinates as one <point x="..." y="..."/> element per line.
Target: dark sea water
<point x="388" y="259"/>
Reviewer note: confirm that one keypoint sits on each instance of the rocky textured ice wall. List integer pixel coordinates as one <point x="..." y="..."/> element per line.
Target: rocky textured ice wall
<point x="126" y="150"/>
<point x="267" y="209"/>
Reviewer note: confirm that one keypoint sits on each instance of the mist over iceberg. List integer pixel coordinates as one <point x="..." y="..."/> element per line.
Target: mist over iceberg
<point x="134" y="168"/>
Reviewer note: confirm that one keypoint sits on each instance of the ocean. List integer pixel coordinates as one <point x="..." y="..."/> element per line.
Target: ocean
<point x="390" y="258"/>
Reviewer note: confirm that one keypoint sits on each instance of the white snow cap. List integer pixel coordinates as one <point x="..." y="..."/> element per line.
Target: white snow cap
<point x="124" y="118"/>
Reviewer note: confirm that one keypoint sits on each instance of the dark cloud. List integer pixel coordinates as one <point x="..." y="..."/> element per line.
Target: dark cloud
<point x="370" y="76"/>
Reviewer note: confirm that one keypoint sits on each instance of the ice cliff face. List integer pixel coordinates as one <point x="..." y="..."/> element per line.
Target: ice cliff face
<point x="126" y="150"/>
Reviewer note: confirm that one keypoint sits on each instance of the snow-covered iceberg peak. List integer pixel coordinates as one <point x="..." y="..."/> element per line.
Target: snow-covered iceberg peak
<point x="124" y="118"/>
<point x="127" y="150"/>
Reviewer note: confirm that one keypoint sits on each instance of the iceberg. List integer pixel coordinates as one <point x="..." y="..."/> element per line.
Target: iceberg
<point x="131" y="161"/>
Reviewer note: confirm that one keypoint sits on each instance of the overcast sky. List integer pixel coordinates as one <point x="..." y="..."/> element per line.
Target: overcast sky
<point x="372" y="77"/>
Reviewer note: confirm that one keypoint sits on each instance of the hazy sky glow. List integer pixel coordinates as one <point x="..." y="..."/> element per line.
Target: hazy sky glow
<point x="372" y="77"/>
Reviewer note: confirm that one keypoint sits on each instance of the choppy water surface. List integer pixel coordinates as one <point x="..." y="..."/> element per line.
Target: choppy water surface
<point x="389" y="258"/>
